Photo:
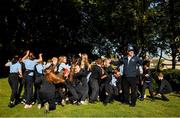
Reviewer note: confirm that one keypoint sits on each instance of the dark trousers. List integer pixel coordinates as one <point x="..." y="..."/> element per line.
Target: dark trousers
<point x="24" y="96"/>
<point x="29" y="89"/>
<point x="79" y="91"/>
<point x="37" y="88"/>
<point x="21" y="84"/>
<point x="130" y="82"/>
<point x="102" y="90"/>
<point x="73" y="90"/>
<point x="48" y="97"/>
<point x="94" y="86"/>
<point x="111" y="93"/>
<point x="60" y="92"/>
<point x="120" y="89"/>
<point x="84" y="89"/>
<point x="149" y="86"/>
<point x="13" y="82"/>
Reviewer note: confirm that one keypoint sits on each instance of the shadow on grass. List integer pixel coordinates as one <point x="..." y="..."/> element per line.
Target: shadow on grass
<point x="176" y="95"/>
<point x="156" y="98"/>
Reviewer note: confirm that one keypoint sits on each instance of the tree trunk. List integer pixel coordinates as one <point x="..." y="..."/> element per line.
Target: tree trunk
<point x="174" y="51"/>
<point x="158" y="65"/>
<point x="172" y="31"/>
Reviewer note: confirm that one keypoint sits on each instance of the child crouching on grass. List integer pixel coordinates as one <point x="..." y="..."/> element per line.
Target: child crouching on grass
<point x="164" y="87"/>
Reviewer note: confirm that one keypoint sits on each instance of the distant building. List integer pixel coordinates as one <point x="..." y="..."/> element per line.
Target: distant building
<point x="166" y="64"/>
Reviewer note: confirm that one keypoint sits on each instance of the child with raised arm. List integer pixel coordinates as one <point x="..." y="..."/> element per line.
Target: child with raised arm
<point x="14" y="73"/>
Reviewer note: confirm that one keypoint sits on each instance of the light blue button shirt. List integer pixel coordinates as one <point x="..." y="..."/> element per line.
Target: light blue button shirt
<point x="14" y="68"/>
<point x="40" y="68"/>
<point x="29" y="65"/>
<point x="113" y="81"/>
<point x="62" y="66"/>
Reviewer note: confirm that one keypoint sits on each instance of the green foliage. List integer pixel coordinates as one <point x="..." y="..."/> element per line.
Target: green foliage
<point x="173" y="76"/>
<point x="85" y="24"/>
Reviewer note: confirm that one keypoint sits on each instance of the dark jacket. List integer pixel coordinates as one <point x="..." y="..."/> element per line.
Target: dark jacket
<point x="96" y="72"/>
<point x="130" y="69"/>
<point x="164" y="87"/>
<point x="146" y="78"/>
<point x="47" y="89"/>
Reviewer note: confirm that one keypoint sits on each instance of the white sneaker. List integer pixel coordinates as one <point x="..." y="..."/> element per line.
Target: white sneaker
<point x="63" y="102"/>
<point x="33" y="103"/>
<point x="30" y="106"/>
<point x="159" y="94"/>
<point x="67" y="99"/>
<point x="106" y="93"/>
<point x="144" y="95"/>
<point x="83" y="102"/>
<point x="46" y="107"/>
<point x="39" y="106"/>
<point x="27" y="106"/>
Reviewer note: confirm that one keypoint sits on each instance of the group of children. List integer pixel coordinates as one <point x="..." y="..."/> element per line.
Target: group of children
<point x="58" y="82"/>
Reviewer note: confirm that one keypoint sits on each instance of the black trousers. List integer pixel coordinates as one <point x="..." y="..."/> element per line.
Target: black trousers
<point x="111" y="93"/>
<point x="102" y="90"/>
<point x="21" y="85"/>
<point x="73" y="90"/>
<point x="85" y="89"/>
<point x="60" y="92"/>
<point x="94" y="86"/>
<point x="29" y="89"/>
<point x="130" y="83"/>
<point x="48" y="96"/>
<point x="37" y="87"/>
<point x="13" y="82"/>
<point x="81" y="91"/>
<point x="149" y="86"/>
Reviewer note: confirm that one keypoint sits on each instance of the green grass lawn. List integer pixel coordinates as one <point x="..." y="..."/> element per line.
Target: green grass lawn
<point x="143" y="109"/>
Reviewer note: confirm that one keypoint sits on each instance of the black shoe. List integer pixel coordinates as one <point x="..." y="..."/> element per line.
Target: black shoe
<point x="92" y="101"/>
<point x="61" y="104"/>
<point x="125" y="103"/>
<point x="153" y="99"/>
<point x="105" y="103"/>
<point x="10" y="105"/>
<point x="141" y="99"/>
<point x="132" y="105"/>
<point x="17" y="101"/>
<point x="164" y="98"/>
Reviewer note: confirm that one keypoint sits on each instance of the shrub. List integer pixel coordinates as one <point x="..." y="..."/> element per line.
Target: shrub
<point x="173" y="76"/>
